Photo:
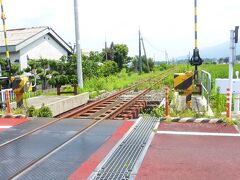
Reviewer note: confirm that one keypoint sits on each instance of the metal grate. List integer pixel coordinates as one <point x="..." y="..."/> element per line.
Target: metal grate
<point x="120" y="163"/>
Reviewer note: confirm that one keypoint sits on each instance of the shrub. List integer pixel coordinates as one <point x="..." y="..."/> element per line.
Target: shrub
<point x="158" y="112"/>
<point x="44" y="111"/>
<point x="18" y="111"/>
<point x="31" y="111"/>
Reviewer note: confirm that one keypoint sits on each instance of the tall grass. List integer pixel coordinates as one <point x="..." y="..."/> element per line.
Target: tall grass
<point x="119" y="81"/>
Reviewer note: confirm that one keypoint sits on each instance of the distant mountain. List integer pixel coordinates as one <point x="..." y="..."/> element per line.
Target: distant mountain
<point x="215" y="52"/>
<point x="218" y="51"/>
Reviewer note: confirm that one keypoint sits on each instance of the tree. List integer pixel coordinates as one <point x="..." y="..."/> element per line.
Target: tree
<point x="95" y="56"/>
<point x="150" y="63"/>
<point x="108" y="68"/>
<point x="134" y="64"/>
<point x="15" y="70"/>
<point x="43" y="72"/>
<point x="90" y="68"/>
<point x="120" y="55"/>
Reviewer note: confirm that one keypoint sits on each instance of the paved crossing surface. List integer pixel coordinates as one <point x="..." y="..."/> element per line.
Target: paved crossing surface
<point x="177" y="150"/>
<point x="193" y="151"/>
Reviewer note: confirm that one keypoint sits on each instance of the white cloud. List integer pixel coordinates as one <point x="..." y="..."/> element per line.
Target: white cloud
<point x="167" y="24"/>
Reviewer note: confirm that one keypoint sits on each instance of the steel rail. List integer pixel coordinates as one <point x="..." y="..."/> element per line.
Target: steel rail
<point x="66" y="116"/>
<point x="43" y="157"/>
<point x="52" y="122"/>
<point x="85" y="108"/>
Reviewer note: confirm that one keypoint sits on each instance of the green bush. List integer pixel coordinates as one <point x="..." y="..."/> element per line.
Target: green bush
<point x="18" y="111"/>
<point x="31" y="111"/>
<point x="158" y="112"/>
<point x="44" y="111"/>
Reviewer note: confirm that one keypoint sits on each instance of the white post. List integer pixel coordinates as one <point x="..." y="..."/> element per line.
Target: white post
<point x="0" y="70"/>
<point x="78" y="48"/>
<point x="231" y="66"/>
<point x="236" y="98"/>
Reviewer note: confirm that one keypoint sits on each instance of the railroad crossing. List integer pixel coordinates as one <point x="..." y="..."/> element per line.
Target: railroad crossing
<point x="114" y="138"/>
<point x="115" y="149"/>
<point x="109" y="139"/>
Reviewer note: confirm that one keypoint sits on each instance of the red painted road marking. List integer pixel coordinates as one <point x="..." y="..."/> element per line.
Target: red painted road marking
<point x="85" y="170"/>
<point x="175" y="157"/>
<point x="11" y="122"/>
<point x="197" y="127"/>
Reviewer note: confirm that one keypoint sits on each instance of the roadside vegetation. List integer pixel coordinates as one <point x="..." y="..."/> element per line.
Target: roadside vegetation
<point x="113" y="69"/>
<point x="103" y="71"/>
<point x="217" y="100"/>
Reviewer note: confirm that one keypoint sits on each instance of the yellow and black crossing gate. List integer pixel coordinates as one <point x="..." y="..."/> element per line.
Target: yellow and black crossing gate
<point x="183" y="83"/>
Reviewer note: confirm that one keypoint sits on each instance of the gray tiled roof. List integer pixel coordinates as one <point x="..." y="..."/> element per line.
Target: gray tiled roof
<point x="17" y="36"/>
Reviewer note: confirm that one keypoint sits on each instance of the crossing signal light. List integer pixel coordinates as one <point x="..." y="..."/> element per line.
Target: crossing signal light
<point x="196" y="59"/>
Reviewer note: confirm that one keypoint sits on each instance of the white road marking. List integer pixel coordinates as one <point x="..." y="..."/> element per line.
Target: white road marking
<point x="198" y="133"/>
<point x="5" y="127"/>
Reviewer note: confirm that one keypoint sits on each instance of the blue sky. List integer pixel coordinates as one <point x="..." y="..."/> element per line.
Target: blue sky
<point x="166" y="24"/>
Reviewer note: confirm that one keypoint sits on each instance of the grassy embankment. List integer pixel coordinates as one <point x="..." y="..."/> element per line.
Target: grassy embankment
<point x="113" y="82"/>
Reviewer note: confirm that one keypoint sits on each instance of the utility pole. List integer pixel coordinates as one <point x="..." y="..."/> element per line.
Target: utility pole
<point x="78" y="48"/>
<point x="106" y="48"/>
<point x="166" y="57"/>
<point x="140" y="59"/>
<point x="144" y="50"/>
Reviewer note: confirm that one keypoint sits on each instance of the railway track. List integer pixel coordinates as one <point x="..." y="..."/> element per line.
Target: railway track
<point x="112" y="107"/>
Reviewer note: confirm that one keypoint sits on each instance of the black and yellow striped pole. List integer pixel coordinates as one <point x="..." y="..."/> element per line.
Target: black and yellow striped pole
<point x="196" y="60"/>
<point x="3" y="17"/>
<point x="195" y="24"/>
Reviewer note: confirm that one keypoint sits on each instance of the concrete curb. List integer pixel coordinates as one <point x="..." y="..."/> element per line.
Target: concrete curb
<point x="193" y="120"/>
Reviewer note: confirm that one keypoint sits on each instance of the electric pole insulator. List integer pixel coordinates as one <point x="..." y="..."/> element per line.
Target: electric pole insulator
<point x="196" y="59"/>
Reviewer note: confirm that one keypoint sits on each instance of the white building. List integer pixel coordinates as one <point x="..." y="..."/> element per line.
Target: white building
<point x="33" y="43"/>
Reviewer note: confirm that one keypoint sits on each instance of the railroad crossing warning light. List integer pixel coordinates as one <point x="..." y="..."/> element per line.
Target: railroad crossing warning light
<point x="196" y="60"/>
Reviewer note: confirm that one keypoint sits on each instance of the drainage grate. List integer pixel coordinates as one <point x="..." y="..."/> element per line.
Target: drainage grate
<point x="120" y="163"/>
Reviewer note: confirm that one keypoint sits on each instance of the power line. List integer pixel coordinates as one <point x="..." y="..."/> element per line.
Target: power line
<point x="153" y="46"/>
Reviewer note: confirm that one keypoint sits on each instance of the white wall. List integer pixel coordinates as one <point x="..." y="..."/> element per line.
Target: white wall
<point x="45" y="47"/>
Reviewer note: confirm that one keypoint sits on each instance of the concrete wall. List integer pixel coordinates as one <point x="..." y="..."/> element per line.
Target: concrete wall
<point x="57" y="104"/>
<point x="67" y="104"/>
<point x="44" y="47"/>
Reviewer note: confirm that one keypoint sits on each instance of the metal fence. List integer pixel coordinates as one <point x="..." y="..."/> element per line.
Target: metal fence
<point x="206" y="85"/>
<point x="3" y="95"/>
